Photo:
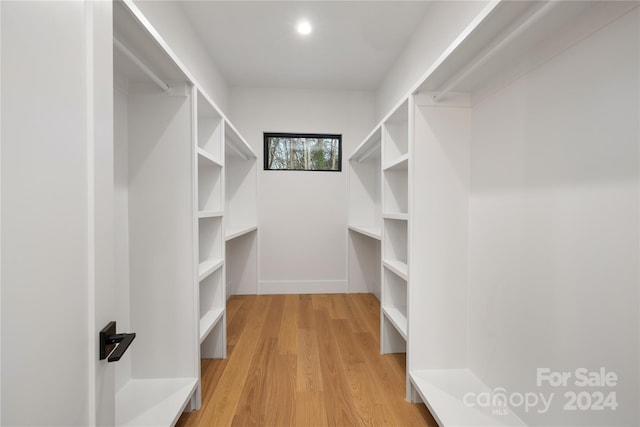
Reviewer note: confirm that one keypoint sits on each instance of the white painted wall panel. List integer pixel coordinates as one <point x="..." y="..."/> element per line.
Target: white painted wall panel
<point x="45" y="340"/>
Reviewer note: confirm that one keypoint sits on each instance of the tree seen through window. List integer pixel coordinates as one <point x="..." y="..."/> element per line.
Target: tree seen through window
<point x="304" y="152"/>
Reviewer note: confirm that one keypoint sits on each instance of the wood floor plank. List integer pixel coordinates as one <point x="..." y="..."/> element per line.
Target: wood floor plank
<point x="305" y="360"/>
<point x="389" y="385"/>
<point x="233" y="305"/>
<point x="349" y="351"/>
<point x="251" y="406"/>
<point x="339" y="402"/>
<point x="338" y="306"/>
<point x="310" y="409"/>
<point x="368" y="309"/>
<point x="358" y="322"/>
<point x="304" y="317"/>
<point x="308" y="372"/>
<point x="274" y="316"/>
<point x="288" y="337"/>
<point x="238" y="321"/>
<point x="280" y="405"/>
<point x="220" y="406"/>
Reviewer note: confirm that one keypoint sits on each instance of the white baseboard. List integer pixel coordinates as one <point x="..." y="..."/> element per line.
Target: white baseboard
<point x="268" y="287"/>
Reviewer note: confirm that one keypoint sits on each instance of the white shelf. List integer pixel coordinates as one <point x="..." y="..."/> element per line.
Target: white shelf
<point x="210" y="214"/>
<point x="237" y="142"/>
<point x="399" y="268"/>
<point x="209" y="321"/>
<point x="209" y="266"/>
<point x="156" y="402"/>
<point x="442" y="390"/>
<point x="401" y="163"/>
<point x="234" y="232"/>
<point x="397" y="319"/>
<point x="206" y="158"/>
<point x="373" y="232"/>
<point x="370" y="145"/>
<point x="396" y="215"/>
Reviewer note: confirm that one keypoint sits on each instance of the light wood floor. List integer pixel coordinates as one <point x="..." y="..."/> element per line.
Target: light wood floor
<point x="305" y="360"/>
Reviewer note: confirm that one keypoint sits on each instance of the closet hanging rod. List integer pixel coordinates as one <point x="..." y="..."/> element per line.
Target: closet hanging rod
<point x="237" y="151"/>
<point x="122" y="48"/>
<point x="503" y="41"/>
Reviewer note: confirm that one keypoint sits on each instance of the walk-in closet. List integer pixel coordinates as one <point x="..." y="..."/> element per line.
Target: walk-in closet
<point x="327" y="213"/>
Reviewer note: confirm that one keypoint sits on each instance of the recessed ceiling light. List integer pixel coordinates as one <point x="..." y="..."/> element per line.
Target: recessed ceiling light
<point x="304" y="27"/>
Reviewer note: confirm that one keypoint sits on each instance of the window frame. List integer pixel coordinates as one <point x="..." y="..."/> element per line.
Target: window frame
<point x="265" y="156"/>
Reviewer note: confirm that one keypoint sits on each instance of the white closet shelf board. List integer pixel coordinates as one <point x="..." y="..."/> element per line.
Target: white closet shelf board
<point x="373" y="232"/>
<point x="367" y="147"/>
<point x="206" y="107"/>
<point x="401" y="163"/>
<point x="397" y="319"/>
<point x="234" y="232"/>
<point x="153" y="402"/>
<point x="443" y="390"/>
<point x="508" y="39"/>
<point x="209" y="321"/>
<point x="237" y="143"/>
<point x="210" y="214"/>
<point x="126" y="29"/>
<point x="398" y="268"/>
<point x="206" y="159"/>
<point x="209" y="266"/>
<point x="396" y="215"/>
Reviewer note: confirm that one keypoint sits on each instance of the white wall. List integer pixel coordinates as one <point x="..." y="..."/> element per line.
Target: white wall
<point x="302" y="216"/>
<point x="443" y="22"/>
<point x="169" y="19"/>
<point x="554" y="234"/>
<point x="46" y="349"/>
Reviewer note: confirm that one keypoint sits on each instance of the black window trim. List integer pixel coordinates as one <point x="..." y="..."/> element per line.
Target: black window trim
<point x="267" y="135"/>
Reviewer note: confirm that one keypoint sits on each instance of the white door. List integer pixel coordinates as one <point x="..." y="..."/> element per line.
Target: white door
<point x="56" y="212"/>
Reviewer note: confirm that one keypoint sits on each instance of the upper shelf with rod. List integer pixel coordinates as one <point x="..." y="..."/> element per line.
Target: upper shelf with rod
<point x="237" y="144"/>
<point x="509" y="39"/>
<point x="369" y="146"/>
<point x="138" y="58"/>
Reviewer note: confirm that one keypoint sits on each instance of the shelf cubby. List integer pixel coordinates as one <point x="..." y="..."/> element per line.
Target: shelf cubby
<point x="210" y="240"/>
<point x="395" y="241"/>
<point x="395" y="134"/>
<point x="212" y="302"/>
<point x="396" y="191"/>
<point x="209" y="185"/>
<point x="394" y="300"/>
<point x="210" y="128"/>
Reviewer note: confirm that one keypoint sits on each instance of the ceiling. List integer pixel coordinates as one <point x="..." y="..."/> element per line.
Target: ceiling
<point x="352" y="46"/>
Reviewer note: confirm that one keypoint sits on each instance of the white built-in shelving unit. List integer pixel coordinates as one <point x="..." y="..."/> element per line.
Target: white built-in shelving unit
<point x="454" y="200"/>
<point x="185" y="185"/>
<point x="153" y="229"/>
<point x="396" y="160"/>
<point x="379" y="223"/>
<point x="365" y="215"/>
<point x="456" y="124"/>
<point x="209" y="172"/>
<point x="241" y="214"/>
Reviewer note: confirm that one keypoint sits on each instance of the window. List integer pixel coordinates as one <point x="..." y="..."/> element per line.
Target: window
<point x="302" y="152"/>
